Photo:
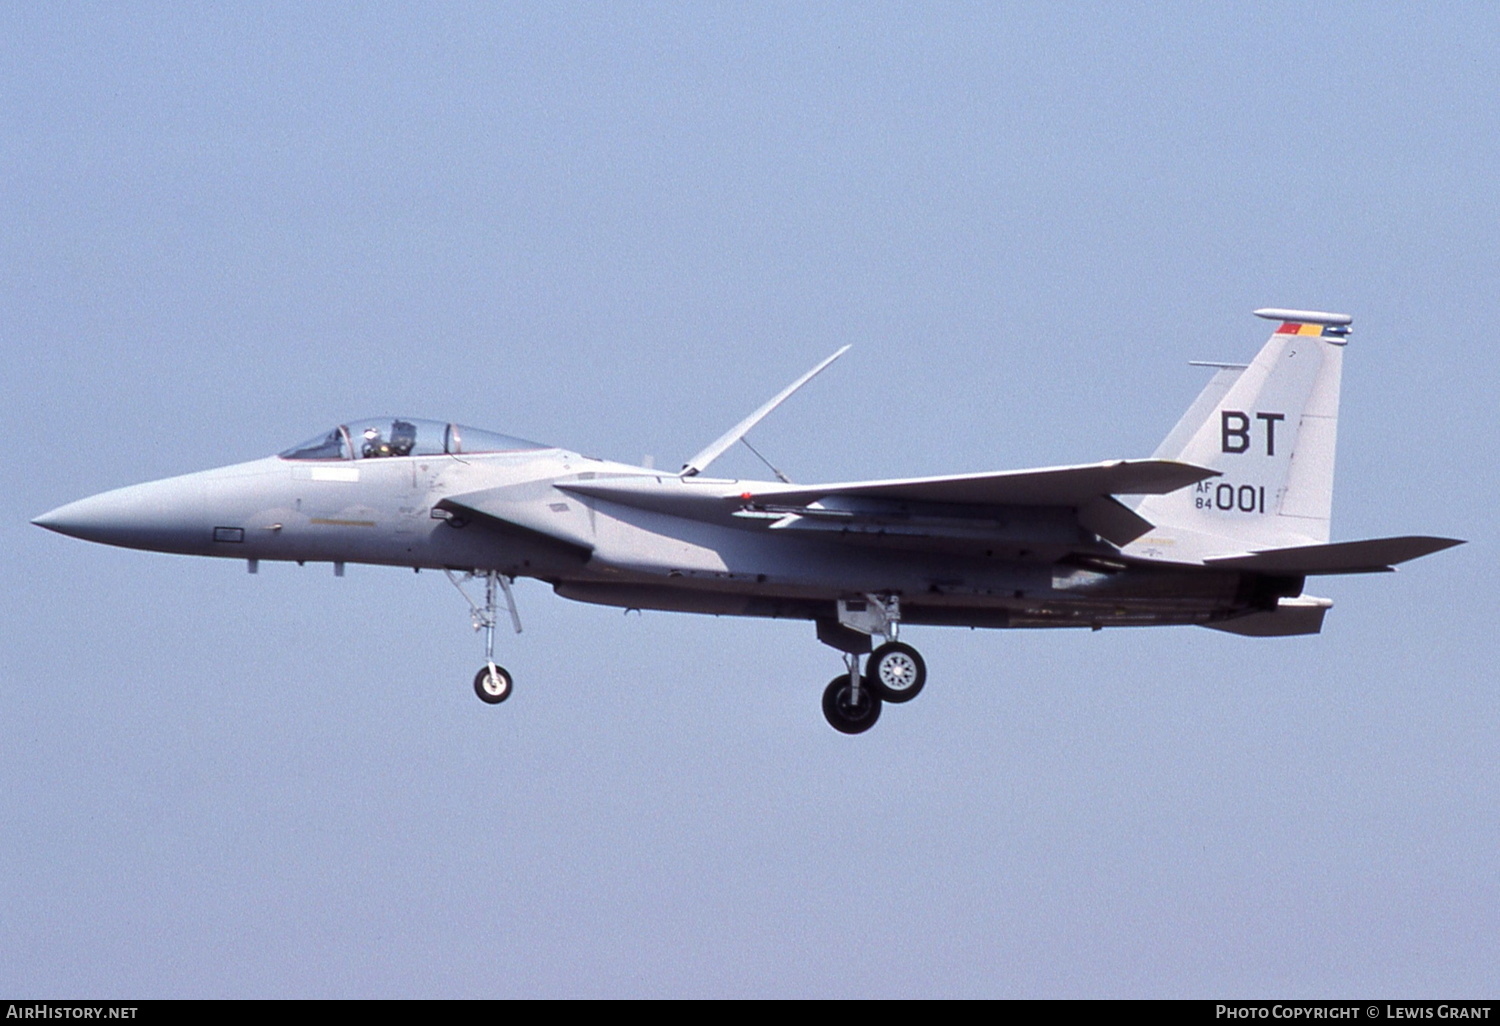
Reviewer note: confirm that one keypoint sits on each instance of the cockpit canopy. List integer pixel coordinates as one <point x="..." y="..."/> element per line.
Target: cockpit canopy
<point x="403" y="436"/>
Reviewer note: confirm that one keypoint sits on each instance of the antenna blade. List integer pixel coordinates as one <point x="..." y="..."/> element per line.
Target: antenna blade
<point x="700" y="462"/>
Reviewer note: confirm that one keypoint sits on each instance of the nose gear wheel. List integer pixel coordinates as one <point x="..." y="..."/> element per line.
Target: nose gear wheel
<point x="493" y="684"/>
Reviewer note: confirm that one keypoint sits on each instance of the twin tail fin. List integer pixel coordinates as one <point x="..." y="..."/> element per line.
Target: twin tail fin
<point x="1270" y="429"/>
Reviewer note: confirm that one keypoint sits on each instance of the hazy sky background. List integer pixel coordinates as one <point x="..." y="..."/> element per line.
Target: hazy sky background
<point x="618" y="228"/>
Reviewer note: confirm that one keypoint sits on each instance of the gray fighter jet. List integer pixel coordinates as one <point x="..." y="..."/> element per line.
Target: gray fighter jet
<point x="1220" y="528"/>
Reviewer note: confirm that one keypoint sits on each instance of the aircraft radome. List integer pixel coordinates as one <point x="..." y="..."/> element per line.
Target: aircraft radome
<point x="1220" y="528"/>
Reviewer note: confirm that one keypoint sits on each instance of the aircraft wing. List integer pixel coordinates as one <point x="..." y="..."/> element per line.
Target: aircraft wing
<point x="1372" y="555"/>
<point x="1045" y="486"/>
<point x="955" y="507"/>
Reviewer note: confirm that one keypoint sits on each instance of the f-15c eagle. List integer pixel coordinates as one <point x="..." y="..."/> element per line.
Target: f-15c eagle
<point x="1220" y="528"/>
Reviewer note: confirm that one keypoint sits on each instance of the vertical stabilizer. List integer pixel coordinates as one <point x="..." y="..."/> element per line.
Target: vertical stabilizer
<point x="1225" y="375"/>
<point x="1270" y="430"/>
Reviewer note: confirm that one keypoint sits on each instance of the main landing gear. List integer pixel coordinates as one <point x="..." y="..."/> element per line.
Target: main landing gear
<point x="493" y="684"/>
<point x="850" y="705"/>
<point x="894" y="673"/>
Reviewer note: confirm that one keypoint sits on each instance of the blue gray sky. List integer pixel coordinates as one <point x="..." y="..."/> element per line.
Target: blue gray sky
<point x="619" y="227"/>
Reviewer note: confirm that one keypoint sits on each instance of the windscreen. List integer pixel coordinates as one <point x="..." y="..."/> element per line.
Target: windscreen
<point x="332" y="446"/>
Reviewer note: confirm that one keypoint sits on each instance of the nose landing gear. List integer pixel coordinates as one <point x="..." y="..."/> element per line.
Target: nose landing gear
<point x="493" y="684"/>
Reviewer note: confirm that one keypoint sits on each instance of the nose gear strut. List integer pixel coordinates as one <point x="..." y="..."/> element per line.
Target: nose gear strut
<point x="493" y="684"/>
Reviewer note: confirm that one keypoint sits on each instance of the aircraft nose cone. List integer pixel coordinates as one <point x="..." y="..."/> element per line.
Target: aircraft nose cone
<point x="80" y="519"/>
<point x="51" y="521"/>
<point x="163" y="515"/>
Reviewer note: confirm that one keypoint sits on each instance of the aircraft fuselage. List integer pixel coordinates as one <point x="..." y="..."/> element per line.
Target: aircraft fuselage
<point x="390" y="512"/>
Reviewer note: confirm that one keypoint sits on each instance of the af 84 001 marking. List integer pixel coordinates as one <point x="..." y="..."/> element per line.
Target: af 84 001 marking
<point x="1229" y="498"/>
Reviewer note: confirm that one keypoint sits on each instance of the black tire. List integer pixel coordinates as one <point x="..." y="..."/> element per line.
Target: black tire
<point x="496" y="691"/>
<point x="896" y="672"/>
<point x="843" y="717"/>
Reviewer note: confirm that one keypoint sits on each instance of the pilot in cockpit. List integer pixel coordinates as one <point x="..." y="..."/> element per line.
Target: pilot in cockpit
<point x="374" y="444"/>
<point x="403" y="438"/>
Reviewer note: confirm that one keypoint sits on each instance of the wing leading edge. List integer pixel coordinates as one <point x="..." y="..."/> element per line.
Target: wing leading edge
<point x="1044" y="486"/>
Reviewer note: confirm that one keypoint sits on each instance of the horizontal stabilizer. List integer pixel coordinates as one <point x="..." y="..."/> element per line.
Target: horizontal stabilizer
<point x="1357" y="557"/>
<point x="1047" y="486"/>
<point x="1113" y="521"/>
